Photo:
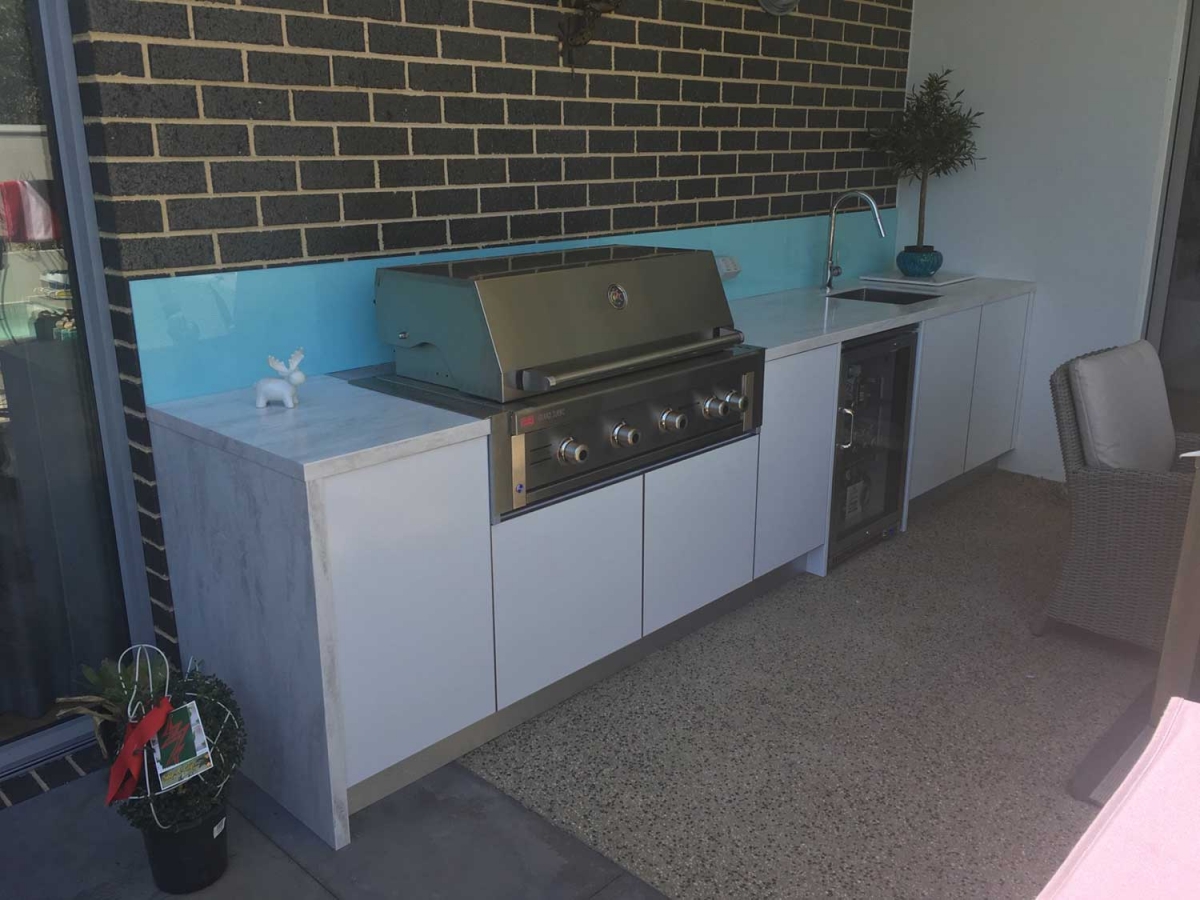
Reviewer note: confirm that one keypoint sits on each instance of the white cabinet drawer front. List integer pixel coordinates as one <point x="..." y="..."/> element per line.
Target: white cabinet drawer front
<point x="699" y="530"/>
<point x="568" y="587"/>
<point x="407" y="546"/>
<point x="795" y="456"/>
<point x="997" y="380"/>
<point x="943" y="402"/>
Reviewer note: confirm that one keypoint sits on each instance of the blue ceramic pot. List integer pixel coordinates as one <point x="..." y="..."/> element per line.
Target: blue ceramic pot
<point x="919" y="262"/>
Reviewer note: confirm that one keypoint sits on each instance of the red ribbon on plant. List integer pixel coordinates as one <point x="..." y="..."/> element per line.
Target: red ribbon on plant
<point x="127" y="767"/>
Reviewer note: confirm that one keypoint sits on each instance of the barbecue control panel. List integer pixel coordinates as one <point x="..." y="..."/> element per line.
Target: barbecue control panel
<point x="581" y="439"/>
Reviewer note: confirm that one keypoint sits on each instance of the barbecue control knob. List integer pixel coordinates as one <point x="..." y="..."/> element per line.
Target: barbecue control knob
<point x="670" y="420"/>
<point x="737" y="402"/>
<point x="715" y="408"/>
<point x="625" y="435"/>
<point x="573" y="451"/>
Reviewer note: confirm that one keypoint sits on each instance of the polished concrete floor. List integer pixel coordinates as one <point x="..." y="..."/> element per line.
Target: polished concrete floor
<point x="891" y="731"/>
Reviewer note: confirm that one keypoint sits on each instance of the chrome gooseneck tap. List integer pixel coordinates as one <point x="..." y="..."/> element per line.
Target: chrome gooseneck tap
<point x="831" y="269"/>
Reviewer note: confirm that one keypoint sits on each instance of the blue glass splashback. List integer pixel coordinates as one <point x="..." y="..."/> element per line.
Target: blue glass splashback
<point x="200" y="334"/>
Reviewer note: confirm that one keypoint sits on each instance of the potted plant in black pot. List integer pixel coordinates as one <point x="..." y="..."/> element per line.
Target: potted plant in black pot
<point x="933" y="136"/>
<point x="183" y="738"/>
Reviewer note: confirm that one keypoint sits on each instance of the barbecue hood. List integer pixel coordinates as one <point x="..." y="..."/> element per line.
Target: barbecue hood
<point x="510" y="327"/>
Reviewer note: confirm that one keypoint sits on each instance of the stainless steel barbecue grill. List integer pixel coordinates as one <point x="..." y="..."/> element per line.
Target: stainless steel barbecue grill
<point x="592" y="364"/>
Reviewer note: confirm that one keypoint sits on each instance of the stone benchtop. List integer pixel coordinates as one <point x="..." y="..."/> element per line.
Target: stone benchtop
<point x="338" y="427"/>
<point x="335" y="428"/>
<point x="790" y="322"/>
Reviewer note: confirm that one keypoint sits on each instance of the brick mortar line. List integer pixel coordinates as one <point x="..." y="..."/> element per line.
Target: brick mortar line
<point x="141" y="160"/>
<point x="407" y="90"/>
<point x="444" y="188"/>
<point x="443" y="125"/>
<point x="145" y="41"/>
<point x="256" y="265"/>
<point x="418" y="217"/>
<point x="532" y="34"/>
<point x="163" y="606"/>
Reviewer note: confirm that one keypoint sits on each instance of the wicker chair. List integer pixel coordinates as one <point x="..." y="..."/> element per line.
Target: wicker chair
<point x="1126" y="531"/>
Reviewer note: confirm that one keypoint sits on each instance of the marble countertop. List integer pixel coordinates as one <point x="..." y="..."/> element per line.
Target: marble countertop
<point x="338" y="427"/>
<point x="790" y="322"/>
<point x="335" y="428"/>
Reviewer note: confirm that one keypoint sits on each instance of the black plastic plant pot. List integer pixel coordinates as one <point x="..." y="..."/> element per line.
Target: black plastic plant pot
<point x="188" y="860"/>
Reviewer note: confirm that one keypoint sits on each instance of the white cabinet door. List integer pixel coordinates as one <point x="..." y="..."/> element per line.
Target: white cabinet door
<point x="997" y="380"/>
<point x="943" y="401"/>
<point x="568" y="587"/>
<point x="406" y="546"/>
<point x="795" y="456"/>
<point x="699" y="530"/>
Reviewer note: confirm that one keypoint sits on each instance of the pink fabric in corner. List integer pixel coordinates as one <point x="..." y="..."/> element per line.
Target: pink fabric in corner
<point x="12" y="210"/>
<point x="1145" y="843"/>
<point x="40" y="222"/>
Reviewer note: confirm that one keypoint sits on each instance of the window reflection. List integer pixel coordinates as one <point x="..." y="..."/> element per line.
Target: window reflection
<point x="61" y="604"/>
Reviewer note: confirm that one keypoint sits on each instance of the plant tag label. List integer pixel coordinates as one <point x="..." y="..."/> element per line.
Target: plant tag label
<point x="180" y="748"/>
<point x="218" y="828"/>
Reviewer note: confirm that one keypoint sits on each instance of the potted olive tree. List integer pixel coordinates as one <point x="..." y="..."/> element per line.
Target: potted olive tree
<point x="182" y="738"/>
<point x="933" y="136"/>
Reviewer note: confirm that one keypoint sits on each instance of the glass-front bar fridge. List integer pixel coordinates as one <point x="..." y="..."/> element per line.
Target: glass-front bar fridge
<point x="871" y="440"/>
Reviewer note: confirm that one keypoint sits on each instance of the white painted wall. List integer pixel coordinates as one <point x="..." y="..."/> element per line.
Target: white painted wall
<point x="1078" y="97"/>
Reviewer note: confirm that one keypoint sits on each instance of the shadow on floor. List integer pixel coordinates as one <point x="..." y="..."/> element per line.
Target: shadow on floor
<point x="449" y="835"/>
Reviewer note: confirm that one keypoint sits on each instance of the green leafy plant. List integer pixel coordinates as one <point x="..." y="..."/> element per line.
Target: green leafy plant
<point x="933" y="136"/>
<point x="109" y="698"/>
<point x="191" y="801"/>
<point x="224" y="727"/>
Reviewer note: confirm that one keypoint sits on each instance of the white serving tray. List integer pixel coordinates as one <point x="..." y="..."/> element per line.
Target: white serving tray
<point x="940" y="279"/>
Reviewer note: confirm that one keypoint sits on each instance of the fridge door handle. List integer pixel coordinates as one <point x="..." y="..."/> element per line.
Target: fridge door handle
<point x="847" y="411"/>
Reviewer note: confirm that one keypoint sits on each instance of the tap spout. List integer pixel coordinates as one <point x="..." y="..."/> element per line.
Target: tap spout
<point x="831" y="268"/>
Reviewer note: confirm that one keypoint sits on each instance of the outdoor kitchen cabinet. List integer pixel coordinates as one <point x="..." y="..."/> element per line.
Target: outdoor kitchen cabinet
<point x="699" y="530"/>
<point x="795" y="456"/>
<point x="567" y="587"/>
<point x="968" y="385"/>
<point x="997" y="386"/>
<point x="406" y="549"/>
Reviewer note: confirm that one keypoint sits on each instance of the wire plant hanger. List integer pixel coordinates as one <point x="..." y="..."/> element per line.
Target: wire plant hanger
<point x="135" y="708"/>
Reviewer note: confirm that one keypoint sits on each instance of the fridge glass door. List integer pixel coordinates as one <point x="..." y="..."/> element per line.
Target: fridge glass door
<point x="872" y="442"/>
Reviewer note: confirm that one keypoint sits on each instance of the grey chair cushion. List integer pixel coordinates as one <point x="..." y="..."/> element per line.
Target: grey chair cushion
<point x="1121" y="404"/>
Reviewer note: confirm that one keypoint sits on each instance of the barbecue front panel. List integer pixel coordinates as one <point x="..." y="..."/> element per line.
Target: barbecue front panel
<point x="584" y="438"/>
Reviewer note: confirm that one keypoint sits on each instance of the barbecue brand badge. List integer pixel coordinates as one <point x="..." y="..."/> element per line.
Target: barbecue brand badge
<point x="618" y="297"/>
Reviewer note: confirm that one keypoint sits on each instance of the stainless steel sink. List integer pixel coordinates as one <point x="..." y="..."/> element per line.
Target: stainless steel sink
<point x="884" y="295"/>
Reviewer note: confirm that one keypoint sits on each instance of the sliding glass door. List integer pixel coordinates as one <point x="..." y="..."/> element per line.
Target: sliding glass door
<point x="61" y="598"/>
<point x="1174" y="317"/>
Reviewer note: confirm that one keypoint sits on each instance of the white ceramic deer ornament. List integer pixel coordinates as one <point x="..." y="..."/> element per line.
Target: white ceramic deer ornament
<point x="281" y="390"/>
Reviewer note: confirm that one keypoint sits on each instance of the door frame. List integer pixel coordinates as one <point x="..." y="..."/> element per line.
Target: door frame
<point x="82" y="245"/>
<point x="1177" y="163"/>
<point x="48" y="20"/>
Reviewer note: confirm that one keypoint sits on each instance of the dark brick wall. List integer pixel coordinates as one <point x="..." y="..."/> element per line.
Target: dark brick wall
<point x="234" y="133"/>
